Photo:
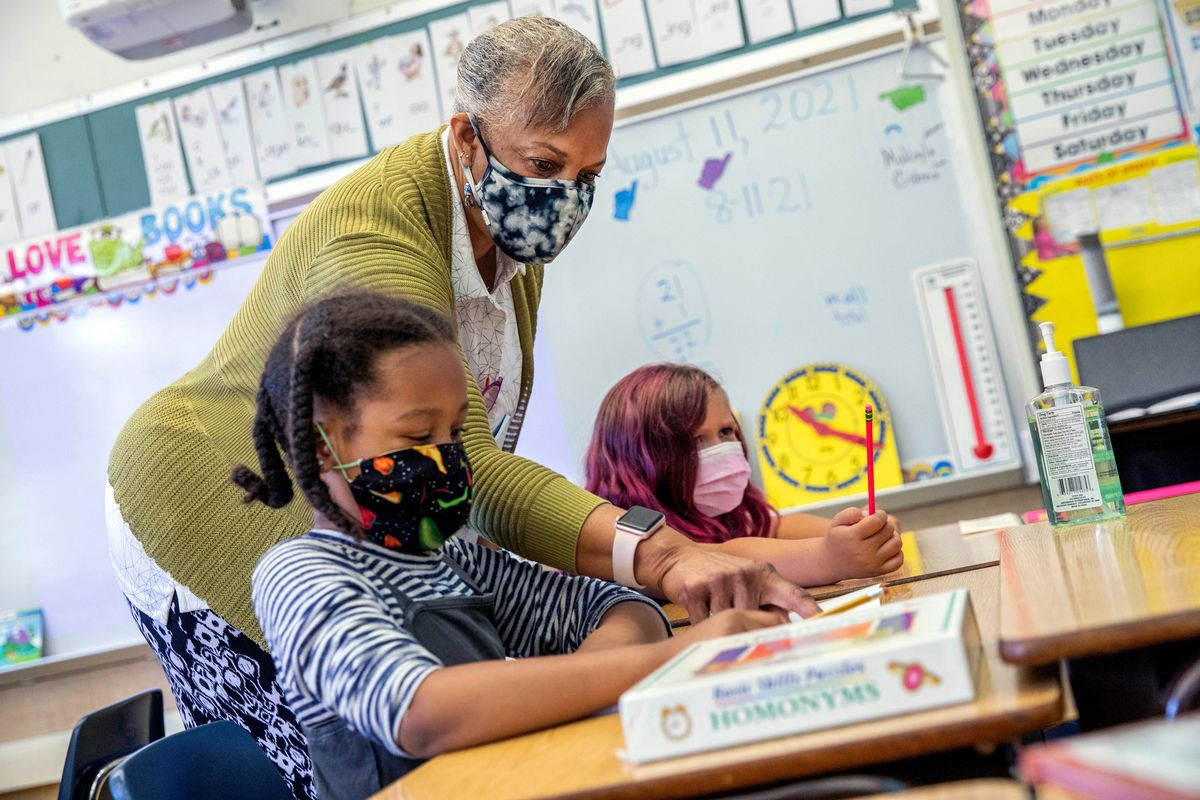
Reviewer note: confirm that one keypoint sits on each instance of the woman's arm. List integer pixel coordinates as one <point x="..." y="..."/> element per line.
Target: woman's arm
<point x="472" y="704"/>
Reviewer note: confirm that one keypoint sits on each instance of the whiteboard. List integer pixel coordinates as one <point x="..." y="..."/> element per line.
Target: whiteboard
<point x="768" y="229"/>
<point x="67" y="390"/>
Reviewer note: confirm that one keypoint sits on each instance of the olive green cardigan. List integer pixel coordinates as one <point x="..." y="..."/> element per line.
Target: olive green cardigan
<point x="387" y="227"/>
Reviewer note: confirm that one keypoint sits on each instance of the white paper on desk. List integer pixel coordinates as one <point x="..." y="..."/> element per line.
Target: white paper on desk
<point x="767" y="19"/>
<point x="305" y="113"/>
<point x="580" y="15"/>
<point x="856" y="7"/>
<point x="720" y="25"/>
<point x="811" y="13"/>
<point x="10" y="223"/>
<point x="1176" y="192"/>
<point x="531" y="8"/>
<point x="487" y="16"/>
<point x="1123" y="205"/>
<point x="448" y="38"/>
<point x="161" y="155"/>
<point x="343" y="107"/>
<point x="195" y="118"/>
<point x="1070" y="214"/>
<point x="273" y="151"/>
<point x="677" y="37"/>
<point x="992" y="523"/>
<point x="416" y="87"/>
<point x="233" y="123"/>
<point x="627" y="33"/>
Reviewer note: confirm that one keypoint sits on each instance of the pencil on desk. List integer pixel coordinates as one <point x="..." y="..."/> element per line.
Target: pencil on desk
<point x="860" y="598"/>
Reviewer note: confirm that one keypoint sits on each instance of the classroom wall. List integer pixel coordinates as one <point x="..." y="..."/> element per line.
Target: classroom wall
<point x="45" y="62"/>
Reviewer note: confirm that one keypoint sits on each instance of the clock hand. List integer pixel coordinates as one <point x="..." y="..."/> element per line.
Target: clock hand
<point x="806" y="416"/>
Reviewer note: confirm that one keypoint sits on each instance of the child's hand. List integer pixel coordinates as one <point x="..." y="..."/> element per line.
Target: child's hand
<point x="727" y="623"/>
<point x="861" y="545"/>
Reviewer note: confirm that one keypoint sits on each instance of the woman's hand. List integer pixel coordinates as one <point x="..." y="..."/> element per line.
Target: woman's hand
<point x="705" y="581"/>
<point x="861" y="545"/>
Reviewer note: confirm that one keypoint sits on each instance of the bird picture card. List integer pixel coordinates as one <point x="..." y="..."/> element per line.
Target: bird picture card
<point x="811" y="13"/>
<point x="720" y="25"/>
<point x="531" y="8"/>
<point x="195" y="119"/>
<point x="416" y="86"/>
<point x="767" y="19"/>
<point x="305" y="113"/>
<point x="677" y="38"/>
<point x="448" y="38"/>
<point x="627" y="33"/>
<point x="10" y="222"/>
<point x="269" y="124"/>
<point x="857" y="7"/>
<point x="487" y="16"/>
<point x="161" y="155"/>
<point x="30" y="187"/>
<point x="580" y="15"/>
<point x="343" y="107"/>
<point x="233" y="123"/>
<point x="378" y="78"/>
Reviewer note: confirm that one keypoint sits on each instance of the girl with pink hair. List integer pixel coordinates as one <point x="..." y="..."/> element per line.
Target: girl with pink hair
<point x="666" y="438"/>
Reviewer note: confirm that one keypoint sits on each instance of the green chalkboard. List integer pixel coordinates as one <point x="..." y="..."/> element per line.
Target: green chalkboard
<point x="94" y="162"/>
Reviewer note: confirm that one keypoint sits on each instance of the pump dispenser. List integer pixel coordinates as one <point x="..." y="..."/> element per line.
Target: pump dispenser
<point x="1074" y="453"/>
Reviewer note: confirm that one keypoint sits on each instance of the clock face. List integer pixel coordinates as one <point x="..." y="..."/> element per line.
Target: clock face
<point x="812" y="435"/>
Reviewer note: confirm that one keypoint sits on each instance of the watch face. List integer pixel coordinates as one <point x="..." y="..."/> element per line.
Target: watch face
<point x="642" y="520"/>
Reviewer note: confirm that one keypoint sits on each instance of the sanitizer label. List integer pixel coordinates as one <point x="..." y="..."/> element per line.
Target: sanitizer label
<point x="1067" y="457"/>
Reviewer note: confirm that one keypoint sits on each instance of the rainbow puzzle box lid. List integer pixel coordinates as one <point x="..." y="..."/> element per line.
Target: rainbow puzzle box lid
<point x="859" y="665"/>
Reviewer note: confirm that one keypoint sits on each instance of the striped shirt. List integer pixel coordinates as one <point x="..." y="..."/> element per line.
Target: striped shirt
<point x="337" y="634"/>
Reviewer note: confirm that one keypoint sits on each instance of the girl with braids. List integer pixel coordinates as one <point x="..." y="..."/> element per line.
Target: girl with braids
<point x="665" y="437"/>
<point x="388" y="631"/>
<point x="461" y="220"/>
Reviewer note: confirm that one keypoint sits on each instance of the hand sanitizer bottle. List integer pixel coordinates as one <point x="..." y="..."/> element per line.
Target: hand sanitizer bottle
<point x="1070" y="437"/>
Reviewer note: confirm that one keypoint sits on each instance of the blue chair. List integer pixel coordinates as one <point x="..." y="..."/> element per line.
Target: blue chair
<point x="217" y="761"/>
<point x="101" y="739"/>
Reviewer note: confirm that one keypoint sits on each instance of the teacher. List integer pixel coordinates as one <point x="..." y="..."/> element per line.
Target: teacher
<point x="461" y="220"/>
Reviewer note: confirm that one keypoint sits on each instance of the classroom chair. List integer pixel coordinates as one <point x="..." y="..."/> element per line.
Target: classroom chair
<point x="103" y="738"/>
<point x="217" y="761"/>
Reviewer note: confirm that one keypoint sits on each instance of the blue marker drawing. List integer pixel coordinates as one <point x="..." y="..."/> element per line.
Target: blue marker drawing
<point x="714" y="168"/>
<point x="893" y="128"/>
<point x="624" y="202"/>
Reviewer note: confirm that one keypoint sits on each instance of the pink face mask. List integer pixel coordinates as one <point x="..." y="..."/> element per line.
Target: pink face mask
<point x="721" y="479"/>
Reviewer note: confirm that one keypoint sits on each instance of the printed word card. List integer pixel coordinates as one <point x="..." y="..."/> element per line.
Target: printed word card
<point x="342" y="104"/>
<point x="627" y="32"/>
<point x="268" y="120"/>
<point x="161" y="155"/>
<point x="233" y="122"/>
<point x="305" y="113"/>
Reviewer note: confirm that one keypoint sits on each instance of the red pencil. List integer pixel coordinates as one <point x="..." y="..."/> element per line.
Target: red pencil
<point x="870" y="461"/>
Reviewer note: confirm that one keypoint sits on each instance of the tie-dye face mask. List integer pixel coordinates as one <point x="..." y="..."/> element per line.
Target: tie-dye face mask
<point x="413" y="499"/>
<point x="530" y="219"/>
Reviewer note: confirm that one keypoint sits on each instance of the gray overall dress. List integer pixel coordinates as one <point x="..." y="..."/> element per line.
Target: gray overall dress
<point x="457" y="630"/>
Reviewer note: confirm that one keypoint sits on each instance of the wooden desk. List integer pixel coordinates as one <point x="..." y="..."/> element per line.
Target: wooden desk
<point x="983" y="789"/>
<point x="1092" y="589"/>
<point x="579" y="759"/>
<point x="928" y="553"/>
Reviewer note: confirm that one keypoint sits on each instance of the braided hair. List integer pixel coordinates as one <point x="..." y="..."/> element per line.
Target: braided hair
<point x="329" y="350"/>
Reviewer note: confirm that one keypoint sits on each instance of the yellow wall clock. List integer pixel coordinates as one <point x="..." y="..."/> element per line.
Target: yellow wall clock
<point x="812" y="436"/>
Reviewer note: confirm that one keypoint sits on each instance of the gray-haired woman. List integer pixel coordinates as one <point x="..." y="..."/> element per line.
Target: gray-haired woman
<point x="462" y="220"/>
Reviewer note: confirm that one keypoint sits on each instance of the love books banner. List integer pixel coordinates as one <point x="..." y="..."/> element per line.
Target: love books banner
<point x="122" y="259"/>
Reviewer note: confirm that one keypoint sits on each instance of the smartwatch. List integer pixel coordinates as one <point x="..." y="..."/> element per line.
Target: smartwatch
<point x="634" y="526"/>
